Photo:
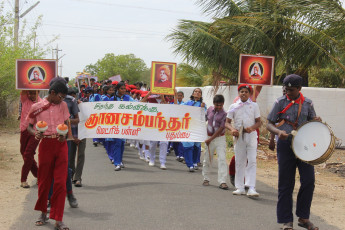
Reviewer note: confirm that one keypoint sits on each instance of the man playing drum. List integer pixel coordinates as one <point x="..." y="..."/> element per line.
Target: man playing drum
<point x="292" y="110"/>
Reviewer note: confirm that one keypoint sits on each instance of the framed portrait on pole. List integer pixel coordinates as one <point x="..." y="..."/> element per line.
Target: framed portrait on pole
<point x="83" y="80"/>
<point x="163" y="77"/>
<point x="32" y="74"/>
<point x="256" y="69"/>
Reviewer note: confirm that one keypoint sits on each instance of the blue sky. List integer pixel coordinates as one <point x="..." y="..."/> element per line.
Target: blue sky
<point x="88" y="29"/>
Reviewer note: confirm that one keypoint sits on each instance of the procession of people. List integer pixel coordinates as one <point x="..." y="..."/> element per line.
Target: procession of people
<point x="61" y="157"/>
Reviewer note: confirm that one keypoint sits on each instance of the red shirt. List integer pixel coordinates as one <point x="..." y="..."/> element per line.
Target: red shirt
<point x="26" y="105"/>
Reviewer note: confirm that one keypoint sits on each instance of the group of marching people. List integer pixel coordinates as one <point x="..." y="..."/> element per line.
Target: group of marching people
<point x="57" y="155"/>
<point x="185" y="152"/>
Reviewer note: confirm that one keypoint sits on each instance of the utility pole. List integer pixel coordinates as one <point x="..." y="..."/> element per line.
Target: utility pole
<point x="60" y="68"/>
<point x="57" y="52"/>
<point x="16" y="20"/>
<point x="60" y="63"/>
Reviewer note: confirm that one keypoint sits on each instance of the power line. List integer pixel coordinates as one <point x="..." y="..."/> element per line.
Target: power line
<point x="135" y="7"/>
<point x="100" y="37"/>
<point x="11" y="5"/>
<point x="92" y="26"/>
<point x="98" y="29"/>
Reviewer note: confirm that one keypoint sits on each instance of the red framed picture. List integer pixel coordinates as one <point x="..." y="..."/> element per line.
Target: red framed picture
<point x="163" y="77"/>
<point x="34" y="74"/>
<point x="256" y="69"/>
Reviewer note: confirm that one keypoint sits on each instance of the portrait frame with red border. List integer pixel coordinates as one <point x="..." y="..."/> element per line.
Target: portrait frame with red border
<point x="256" y="69"/>
<point x="44" y="69"/>
<point x="159" y="86"/>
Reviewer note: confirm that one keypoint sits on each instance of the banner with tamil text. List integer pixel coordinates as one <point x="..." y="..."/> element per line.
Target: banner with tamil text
<point x="141" y="121"/>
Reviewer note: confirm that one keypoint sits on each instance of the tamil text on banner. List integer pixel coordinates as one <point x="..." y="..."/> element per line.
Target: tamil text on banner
<point x="256" y="70"/>
<point x="35" y="74"/>
<point x="142" y="121"/>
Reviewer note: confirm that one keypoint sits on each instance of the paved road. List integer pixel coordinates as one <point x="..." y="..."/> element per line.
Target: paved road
<point x="143" y="197"/>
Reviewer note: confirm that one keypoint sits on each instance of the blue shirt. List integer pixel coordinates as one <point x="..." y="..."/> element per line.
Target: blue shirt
<point x="307" y="113"/>
<point x="194" y="103"/>
<point x="124" y="97"/>
<point x="107" y="98"/>
<point x="95" y="97"/>
<point x="73" y="109"/>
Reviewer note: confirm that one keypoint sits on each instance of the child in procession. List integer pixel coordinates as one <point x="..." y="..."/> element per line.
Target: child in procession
<point x="119" y="147"/>
<point x="216" y="117"/>
<point x="53" y="153"/>
<point x="192" y="150"/>
<point x="246" y="116"/>
<point x="28" y="143"/>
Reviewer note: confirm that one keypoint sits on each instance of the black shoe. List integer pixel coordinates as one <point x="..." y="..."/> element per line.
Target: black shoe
<point x="95" y="143"/>
<point x="78" y="183"/>
<point x="72" y="201"/>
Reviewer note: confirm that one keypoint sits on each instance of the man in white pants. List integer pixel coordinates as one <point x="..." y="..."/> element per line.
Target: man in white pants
<point x="246" y="116"/>
<point x="144" y="150"/>
<point x="216" y="117"/>
<point x="163" y="145"/>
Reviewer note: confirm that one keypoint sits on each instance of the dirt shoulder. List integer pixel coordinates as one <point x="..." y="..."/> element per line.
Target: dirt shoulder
<point x="12" y="196"/>
<point x="328" y="200"/>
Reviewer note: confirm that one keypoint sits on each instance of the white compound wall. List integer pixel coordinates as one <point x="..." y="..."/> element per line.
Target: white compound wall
<point x="329" y="103"/>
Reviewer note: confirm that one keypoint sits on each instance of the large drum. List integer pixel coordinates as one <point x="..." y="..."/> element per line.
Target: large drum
<point x="313" y="142"/>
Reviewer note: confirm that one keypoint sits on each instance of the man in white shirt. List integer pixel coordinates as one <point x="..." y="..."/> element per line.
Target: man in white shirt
<point x="246" y="116"/>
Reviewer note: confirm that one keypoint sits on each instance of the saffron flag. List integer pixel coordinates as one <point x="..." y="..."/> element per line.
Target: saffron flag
<point x="141" y="121"/>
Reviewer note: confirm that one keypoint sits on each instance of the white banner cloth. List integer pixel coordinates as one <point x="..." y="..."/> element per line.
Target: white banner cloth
<point x="141" y="121"/>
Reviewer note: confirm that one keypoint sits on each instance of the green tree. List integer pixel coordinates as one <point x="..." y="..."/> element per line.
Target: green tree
<point x="128" y="66"/>
<point x="299" y="33"/>
<point x="8" y="55"/>
<point x="188" y="75"/>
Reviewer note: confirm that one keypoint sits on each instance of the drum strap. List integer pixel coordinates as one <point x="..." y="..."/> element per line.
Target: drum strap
<point x="294" y="124"/>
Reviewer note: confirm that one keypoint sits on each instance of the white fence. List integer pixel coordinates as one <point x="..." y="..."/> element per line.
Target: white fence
<point x="329" y="103"/>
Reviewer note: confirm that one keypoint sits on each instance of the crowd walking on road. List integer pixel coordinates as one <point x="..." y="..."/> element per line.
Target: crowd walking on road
<point x="61" y="156"/>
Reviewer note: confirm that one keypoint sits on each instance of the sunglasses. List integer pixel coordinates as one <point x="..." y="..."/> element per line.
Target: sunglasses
<point x="61" y="97"/>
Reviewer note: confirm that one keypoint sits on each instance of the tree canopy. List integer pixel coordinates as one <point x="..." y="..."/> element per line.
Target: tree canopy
<point x="301" y="34"/>
<point x="9" y="54"/>
<point x="128" y="66"/>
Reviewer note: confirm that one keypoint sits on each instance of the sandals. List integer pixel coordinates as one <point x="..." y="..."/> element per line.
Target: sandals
<point x="60" y="226"/>
<point x="78" y="183"/>
<point x="42" y="219"/>
<point x="24" y="185"/>
<point x="206" y="183"/>
<point x="288" y="226"/>
<point x="307" y="224"/>
<point x="223" y="186"/>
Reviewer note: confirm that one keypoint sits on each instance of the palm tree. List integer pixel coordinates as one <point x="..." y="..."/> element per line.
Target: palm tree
<point x="188" y="75"/>
<point x="299" y="33"/>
